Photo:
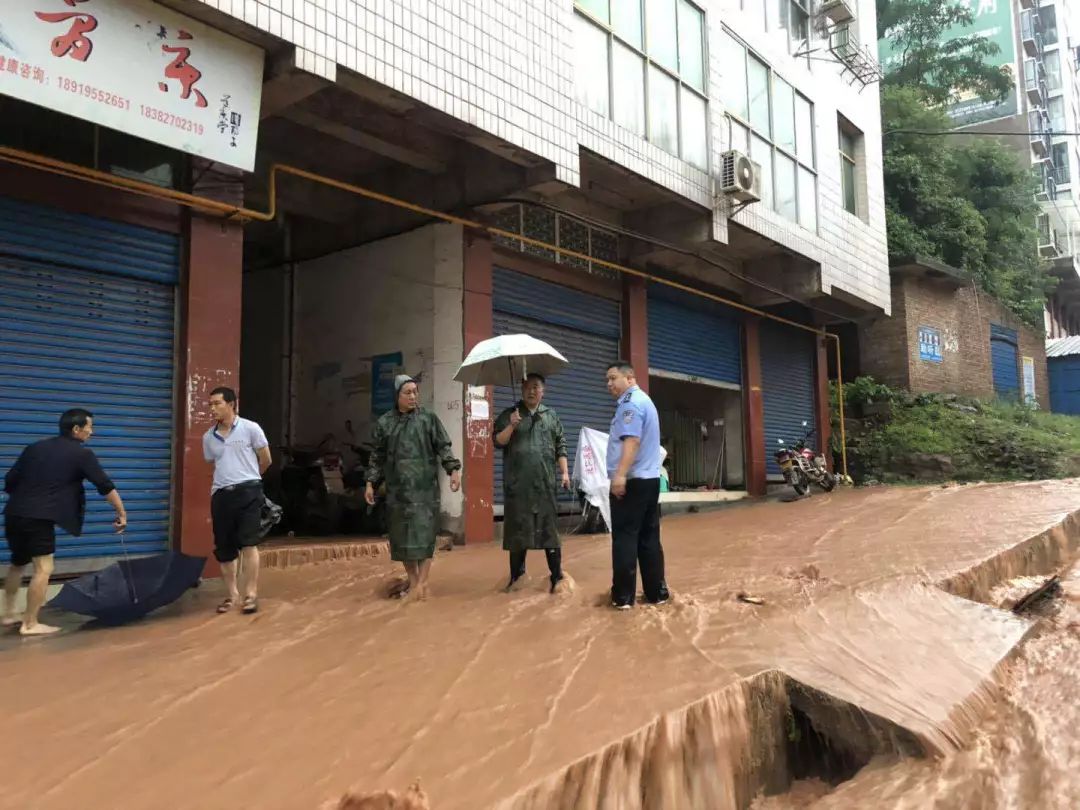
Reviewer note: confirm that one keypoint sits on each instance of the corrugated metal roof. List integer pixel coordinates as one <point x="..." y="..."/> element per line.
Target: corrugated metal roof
<point x="1060" y="347"/>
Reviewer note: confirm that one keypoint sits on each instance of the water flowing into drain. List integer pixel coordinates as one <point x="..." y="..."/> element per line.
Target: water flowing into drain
<point x="747" y="745"/>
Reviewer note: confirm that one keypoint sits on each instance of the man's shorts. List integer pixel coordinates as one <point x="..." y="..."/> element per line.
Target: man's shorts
<point x="236" y="513"/>
<point x="28" y="538"/>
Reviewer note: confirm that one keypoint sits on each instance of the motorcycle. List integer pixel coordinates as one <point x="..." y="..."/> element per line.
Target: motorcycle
<point x="801" y="466"/>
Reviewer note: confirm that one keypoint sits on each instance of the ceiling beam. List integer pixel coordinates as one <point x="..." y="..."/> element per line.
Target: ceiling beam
<point x="354" y="137"/>
<point x="286" y="85"/>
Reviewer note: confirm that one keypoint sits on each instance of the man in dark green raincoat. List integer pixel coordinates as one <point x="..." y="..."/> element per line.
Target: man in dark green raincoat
<point x="531" y="438"/>
<point x="410" y="444"/>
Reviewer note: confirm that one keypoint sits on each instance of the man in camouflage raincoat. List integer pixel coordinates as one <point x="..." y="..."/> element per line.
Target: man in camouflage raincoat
<point x="410" y="444"/>
<point x="531" y="438"/>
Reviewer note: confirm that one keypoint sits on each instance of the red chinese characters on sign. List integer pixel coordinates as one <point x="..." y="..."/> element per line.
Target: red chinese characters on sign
<point x="22" y="70"/>
<point x="75" y="42"/>
<point x="183" y="71"/>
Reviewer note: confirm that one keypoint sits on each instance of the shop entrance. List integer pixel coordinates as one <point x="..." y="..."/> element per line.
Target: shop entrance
<point x="701" y="428"/>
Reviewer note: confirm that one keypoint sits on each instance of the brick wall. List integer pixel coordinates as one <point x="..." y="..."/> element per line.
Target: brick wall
<point x="883" y="345"/>
<point x="889" y="347"/>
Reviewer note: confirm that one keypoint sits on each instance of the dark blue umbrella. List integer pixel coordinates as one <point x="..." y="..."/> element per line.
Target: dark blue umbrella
<point x="129" y="589"/>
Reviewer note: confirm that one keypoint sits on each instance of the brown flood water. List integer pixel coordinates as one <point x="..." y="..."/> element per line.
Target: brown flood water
<point x="1024" y="753"/>
<point x="529" y="701"/>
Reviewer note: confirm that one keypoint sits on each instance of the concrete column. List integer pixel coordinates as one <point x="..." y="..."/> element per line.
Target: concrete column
<point x="209" y="356"/>
<point x="821" y="391"/>
<point x="447" y="336"/>
<point x="755" y="408"/>
<point x="479" y="452"/>
<point x="635" y="327"/>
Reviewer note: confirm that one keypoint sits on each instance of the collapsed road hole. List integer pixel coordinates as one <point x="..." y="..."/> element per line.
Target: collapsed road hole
<point x="812" y="754"/>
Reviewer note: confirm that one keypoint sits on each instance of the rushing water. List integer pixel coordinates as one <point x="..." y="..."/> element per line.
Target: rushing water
<point x="1024" y="754"/>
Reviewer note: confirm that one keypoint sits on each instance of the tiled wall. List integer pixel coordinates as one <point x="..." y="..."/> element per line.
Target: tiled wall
<point x="501" y="65"/>
<point x="505" y="66"/>
<point x="851" y="249"/>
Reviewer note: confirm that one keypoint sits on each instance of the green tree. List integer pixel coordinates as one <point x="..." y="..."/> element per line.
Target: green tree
<point x="992" y="178"/>
<point x="941" y="68"/>
<point x="925" y="215"/>
<point x="968" y="202"/>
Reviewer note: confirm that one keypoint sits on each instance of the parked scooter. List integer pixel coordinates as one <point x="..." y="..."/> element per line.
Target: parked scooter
<point x="801" y="466"/>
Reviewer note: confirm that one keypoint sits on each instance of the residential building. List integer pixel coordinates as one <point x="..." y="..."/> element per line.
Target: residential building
<point x="1039" y="40"/>
<point x="602" y="128"/>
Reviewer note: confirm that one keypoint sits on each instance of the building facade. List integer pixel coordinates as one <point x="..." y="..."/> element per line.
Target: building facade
<point x="1044" y="110"/>
<point x="1048" y="35"/>
<point x="601" y="130"/>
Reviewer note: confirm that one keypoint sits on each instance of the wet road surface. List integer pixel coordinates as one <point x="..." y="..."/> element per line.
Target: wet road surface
<point x="505" y="700"/>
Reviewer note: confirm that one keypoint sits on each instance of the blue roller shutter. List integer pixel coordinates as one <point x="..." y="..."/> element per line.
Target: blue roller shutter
<point x="87" y="320"/>
<point x="1006" y="368"/>
<point x="695" y="337"/>
<point x="787" y="386"/>
<point x="1064" y="384"/>
<point x="584" y="328"/>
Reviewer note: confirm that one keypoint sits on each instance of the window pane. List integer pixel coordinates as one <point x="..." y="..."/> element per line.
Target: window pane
<point x="783" y="114"/>
<point x="691" y="60"/>
<point x="778" y="14"/>
<point x="661" y="41"/>
<point x="847" y="143"/>
<point x="695" y="141"/>
<point x="786" y="202"/>
<point x="663" y="111"/>
<point x="804" y="130"/>
<point x="758" y="76"/>
<point x="1048" y="20"/>
<point x="807" y="199"/>
<point x="598" y="8"/>
<point x="591" y="69"/>
<point x="1056" y="108"/>
<point x="847" y="178"/>
<point x="1052" y="63"/>
<point x="626" y="20"/>
<point x="733" y="86"/>
<point x="740" y="138"/>
<point x="629" y="80"/>
<point x="761" y="152"/>
<point x="800" y="26"/>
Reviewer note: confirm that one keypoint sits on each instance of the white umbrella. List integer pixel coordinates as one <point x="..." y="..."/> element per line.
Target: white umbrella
<point x="505" y="360"/>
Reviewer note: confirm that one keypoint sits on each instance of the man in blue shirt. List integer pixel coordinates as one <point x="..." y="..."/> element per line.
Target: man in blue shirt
<point x="633" y="466"/>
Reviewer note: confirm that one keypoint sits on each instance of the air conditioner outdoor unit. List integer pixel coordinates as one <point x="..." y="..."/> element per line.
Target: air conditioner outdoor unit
<point x="837" y="11"/>
<point x="740" y="177"/>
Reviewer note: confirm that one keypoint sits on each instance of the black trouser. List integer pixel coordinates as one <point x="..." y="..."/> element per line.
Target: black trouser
<point x="236" y="515"/>
<point x="635" y="540"/>
<point x="554" y="561"/>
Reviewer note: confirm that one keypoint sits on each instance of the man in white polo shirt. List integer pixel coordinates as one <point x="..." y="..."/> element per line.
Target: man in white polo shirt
<point x="240" y="454"/>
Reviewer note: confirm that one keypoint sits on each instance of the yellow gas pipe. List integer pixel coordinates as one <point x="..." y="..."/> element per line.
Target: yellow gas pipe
<point x="227" y="211"/>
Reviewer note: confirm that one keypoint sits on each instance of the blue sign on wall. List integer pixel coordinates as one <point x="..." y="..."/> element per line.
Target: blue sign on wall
<point x="384" y="367"/>
<point x="930" y="345"/>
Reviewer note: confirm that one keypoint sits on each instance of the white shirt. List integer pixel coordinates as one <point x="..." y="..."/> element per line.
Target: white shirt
<point x="234" y="456"/>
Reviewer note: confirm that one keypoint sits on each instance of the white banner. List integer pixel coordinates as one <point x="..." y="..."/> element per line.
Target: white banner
<point x="138" y="68"/>
<point x="590" y="470"/>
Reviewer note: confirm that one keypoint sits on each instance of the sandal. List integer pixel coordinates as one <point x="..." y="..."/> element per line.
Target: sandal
<point x="251" y="605"/>
<point x="226" y="605"/>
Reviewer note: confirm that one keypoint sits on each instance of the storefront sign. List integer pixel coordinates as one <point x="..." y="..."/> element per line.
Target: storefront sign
<point x="930" y="344"/>
<point x="1029" y="380"/>
<point x="384" y="367"/>
<point x="138" y="68"/>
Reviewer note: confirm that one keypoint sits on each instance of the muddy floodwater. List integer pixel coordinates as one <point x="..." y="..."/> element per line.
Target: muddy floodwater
<point x="1025" y="752"/>
<point x="877" y="669"/>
